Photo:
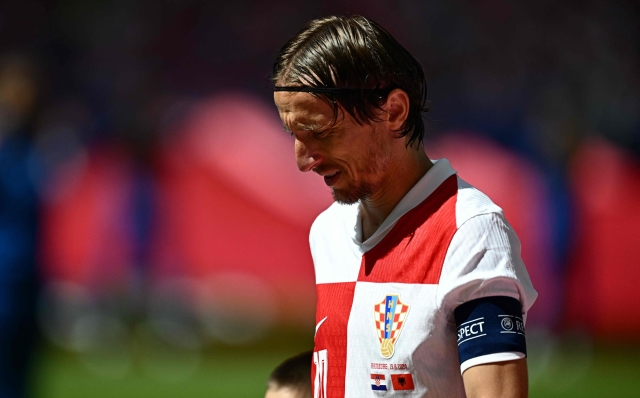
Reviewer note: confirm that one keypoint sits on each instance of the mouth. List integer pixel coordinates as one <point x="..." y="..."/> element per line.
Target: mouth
<point x="330" y="179"/>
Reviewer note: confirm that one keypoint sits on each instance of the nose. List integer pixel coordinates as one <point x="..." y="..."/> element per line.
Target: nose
<point x="307" y="157"/>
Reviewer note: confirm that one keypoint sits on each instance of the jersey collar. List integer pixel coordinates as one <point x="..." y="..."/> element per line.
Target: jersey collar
<point x="432" y="179"/>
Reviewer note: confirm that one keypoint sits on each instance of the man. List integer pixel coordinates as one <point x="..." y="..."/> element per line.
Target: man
<point x="421" y="288"/>
<point x="291" y="378"/>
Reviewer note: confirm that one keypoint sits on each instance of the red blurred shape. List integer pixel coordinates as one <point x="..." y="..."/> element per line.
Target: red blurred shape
<point x="229" y="199"/>
<point x="241" y="140"/>
<point x="605" y="271"/>
<point x="84" y="236"/>
<point x="233" y="199"/>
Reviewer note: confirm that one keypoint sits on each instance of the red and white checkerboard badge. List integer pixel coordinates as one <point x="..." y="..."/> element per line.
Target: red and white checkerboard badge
<point x="390" y="316"/>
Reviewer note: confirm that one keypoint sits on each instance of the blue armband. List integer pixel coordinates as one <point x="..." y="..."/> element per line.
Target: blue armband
<point x="489" y="325"/>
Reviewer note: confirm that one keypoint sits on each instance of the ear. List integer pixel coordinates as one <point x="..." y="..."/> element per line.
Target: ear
<point x="397" y="109"/>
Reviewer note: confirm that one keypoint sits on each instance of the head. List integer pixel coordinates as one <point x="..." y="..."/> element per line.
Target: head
<point x="346" y="76"/>
<point x="292" y="378"/>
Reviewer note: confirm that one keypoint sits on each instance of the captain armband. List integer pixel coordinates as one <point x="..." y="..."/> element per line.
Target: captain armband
<point x="490" y="329"/>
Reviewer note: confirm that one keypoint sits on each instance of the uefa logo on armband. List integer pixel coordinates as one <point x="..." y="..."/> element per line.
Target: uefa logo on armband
<point x="506" y="323"/>
<point x="390" y="316"/>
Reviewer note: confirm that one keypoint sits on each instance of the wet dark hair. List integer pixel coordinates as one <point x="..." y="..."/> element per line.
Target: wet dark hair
<point x="294" y="373"/>
<point x="354" y="63"/>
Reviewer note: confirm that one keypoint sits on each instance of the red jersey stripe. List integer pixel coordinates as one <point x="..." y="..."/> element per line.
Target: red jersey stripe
<point x="334" y="303"/>
<point x="421" y="236"/>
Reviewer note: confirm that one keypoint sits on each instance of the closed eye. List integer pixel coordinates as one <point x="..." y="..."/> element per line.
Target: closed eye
<point x="324" y="133"/>
<point x="320" y="133"/>
<point x="316" y="133"/>
<point x="287" y="130"/>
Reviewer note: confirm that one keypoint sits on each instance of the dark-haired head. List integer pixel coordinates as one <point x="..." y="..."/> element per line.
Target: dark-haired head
<point x="292" y="378"/>
<point x="353" y="63"/>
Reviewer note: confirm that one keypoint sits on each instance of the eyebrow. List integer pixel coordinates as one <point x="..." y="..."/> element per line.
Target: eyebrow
<point x="305" y="127"/>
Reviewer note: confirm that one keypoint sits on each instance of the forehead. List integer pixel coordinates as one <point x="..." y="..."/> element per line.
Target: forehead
<point x="302" y="110"/>
<point x="282" y="392"/>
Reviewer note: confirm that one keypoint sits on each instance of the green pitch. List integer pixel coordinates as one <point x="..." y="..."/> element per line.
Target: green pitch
<point x="567" y="371"/>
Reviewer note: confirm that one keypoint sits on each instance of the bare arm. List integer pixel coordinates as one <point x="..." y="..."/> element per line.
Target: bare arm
<point x="497" y="380"/>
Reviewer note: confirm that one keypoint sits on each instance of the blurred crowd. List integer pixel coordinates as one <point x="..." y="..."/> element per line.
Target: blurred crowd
<point x="147" y="188"/>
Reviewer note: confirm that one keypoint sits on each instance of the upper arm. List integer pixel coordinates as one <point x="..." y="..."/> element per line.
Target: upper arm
<point x="483" y="259"/>
<point x="488" y="289"/>
<point x="500" y="379"/>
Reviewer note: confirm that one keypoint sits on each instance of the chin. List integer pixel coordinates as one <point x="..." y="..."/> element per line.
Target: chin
<point x="352" y="194"/>
<point x="344" y="199"/>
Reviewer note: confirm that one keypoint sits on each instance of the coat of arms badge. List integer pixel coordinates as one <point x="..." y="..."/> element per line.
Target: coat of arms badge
<point x="390" y="316"/>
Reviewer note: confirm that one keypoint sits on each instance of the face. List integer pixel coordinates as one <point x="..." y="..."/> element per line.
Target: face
<point x="352" y="159"/>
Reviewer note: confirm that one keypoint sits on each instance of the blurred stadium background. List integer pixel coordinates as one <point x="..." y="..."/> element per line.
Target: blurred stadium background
<point x="153" y="226"/>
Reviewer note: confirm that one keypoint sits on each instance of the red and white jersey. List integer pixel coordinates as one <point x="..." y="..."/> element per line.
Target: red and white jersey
<point x="384" y="319"/>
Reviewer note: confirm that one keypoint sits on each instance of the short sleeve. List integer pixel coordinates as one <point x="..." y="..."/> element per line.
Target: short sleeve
<point x="483" y="260"/>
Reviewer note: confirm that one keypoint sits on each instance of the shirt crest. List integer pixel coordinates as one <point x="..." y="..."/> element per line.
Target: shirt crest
<point x="390" y="315"/>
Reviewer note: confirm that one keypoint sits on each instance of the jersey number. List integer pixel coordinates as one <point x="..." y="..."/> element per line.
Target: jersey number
<point x="320" y="382"/>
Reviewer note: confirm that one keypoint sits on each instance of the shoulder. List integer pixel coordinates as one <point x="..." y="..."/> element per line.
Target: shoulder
<point x="481" y="224"/>
<point x="471" y="202"/>
<point x="484" y="259"/>
<point x="484" y="254"/>
<point x="481" y="229"/>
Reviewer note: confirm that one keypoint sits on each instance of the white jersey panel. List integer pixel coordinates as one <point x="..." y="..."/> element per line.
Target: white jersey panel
<point x="335" y="255"/>
<point x="423" y="347"/>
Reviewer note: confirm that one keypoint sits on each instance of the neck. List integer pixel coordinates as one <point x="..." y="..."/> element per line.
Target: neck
<point x="408" y="168"/>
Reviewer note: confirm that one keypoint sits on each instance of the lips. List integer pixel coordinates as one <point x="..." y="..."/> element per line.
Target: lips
<point x="330" y="179"/>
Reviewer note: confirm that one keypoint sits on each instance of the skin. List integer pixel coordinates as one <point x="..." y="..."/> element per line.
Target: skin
<point x="371" y="164"/>
<point x="282" y="392"/>
<point x="368" y="156"/>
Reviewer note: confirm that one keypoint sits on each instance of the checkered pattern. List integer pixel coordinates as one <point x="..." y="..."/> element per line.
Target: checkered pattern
<point x="398" y="319"/>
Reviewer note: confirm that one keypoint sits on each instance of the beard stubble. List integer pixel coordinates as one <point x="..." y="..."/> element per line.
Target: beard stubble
<point x="373" y="168"/>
